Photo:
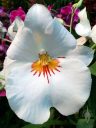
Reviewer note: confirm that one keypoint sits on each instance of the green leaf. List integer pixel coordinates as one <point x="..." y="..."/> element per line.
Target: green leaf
<point x="46" y="125"/>
<point x="93" y="69"/>
<point x="92" y="98"/>
<point x="83" y="124"/>
<point x="1" y="87"/>
<point x="32" y="126"/>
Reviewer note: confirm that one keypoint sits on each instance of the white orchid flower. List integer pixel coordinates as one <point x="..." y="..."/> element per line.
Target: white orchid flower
<point x="3" y="30"/>
<point x="83" y="28"/>
<point x="48" y="70"/>
<point x="14" y="27"/>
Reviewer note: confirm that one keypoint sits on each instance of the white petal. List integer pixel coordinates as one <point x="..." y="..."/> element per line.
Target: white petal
<point x="83" y="28"/>
<point x="38" y="17"/>
<point x="83" y="53"/>
<point x="23" y="47"/>
<point x="8" y="64"/>
<point x="1" y="25"/>
<point x="13" y="28"/>
<point x="83" y="14"/>
<point x="51" y="35"/>
<point x="82" y="40"/>
<point x="71" y="87"/>
<point x="4" y="29"/>
<point x="28" y="95"/>
<point x="93" y="34"/>
<point x="2" y="74"/>
<point x="58" y="41"/>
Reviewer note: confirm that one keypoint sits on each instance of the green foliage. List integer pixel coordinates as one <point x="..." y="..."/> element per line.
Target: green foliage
<point x="18" y="3"/>
<point x="47" y="124"/>
<point x="93" y="69"/>
<point x="83" y="124"/>
<point x="92" y="99"/>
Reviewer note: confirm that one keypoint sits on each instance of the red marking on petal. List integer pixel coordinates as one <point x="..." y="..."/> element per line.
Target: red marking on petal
<point x="46" y="66"/>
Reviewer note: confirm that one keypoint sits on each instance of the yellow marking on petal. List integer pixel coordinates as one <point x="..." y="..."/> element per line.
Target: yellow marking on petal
<point x="45" y="65"/>
<point x="38" y="37"/>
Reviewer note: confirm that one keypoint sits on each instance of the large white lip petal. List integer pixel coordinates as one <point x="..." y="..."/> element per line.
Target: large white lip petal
<point x="67" y="97"/>
<point x="28" y="96"/>
<point x="71" y="87"/>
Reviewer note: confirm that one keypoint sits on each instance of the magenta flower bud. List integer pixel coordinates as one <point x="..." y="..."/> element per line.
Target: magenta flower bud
<point x="17" y="13"/>
<point x="2" y="93"/>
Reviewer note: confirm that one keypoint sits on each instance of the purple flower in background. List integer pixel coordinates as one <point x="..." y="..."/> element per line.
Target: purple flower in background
<point x="50" y="7"/>
<point x="19" y="12"/>
<point x="3" y="12"/>
<point x="4" y="16"/>
<point x="3" y="49"/>
<point x="66" y="12"/>
<point x="2" y="93"/>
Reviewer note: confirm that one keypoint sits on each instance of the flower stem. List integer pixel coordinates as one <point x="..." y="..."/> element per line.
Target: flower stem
<point x="1" y="87"/>
<point x="4" y="39"/>
<point x="71" y="19"/>
<point x="66" y="25"/>
<point x="2" y="78"/>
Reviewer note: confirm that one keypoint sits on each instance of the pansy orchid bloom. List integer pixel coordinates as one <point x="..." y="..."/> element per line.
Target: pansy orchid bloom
<point x="45" y="69"/>
<point x="83" y="28"/>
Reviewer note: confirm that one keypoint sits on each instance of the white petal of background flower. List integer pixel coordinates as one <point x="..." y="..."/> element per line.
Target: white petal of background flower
<point x="17" y="24"/>
<point x="71" y="87"/>
<point x="83" y="53"/>
<point x="83" y="28"/>
<point x="83" y="14"/>
<point x="1" y="25"/>
<point x="93" y="34"/>
<point x="81" y="41"/>
<point x="28" y="95"/>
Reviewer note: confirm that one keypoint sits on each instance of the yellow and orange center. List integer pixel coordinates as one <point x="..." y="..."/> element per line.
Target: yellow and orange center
<point x="45" y="65"/>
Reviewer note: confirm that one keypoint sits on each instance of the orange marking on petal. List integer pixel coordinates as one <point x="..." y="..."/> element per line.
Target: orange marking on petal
<point x="45" y="65"/>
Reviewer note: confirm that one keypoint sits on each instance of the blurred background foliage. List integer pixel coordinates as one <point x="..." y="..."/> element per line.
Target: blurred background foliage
<point x="86" y="118"/>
